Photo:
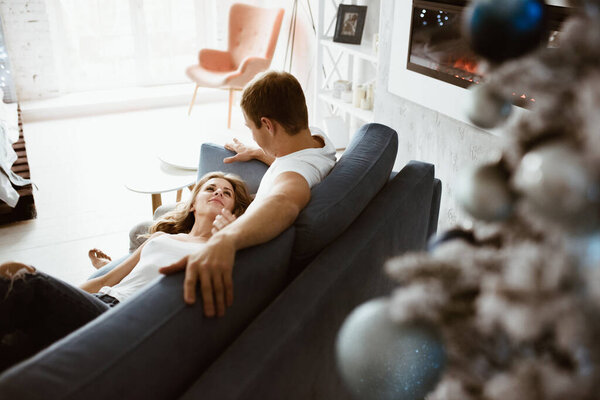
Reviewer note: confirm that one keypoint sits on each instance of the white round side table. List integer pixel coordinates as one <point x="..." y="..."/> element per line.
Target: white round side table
<point x="156" y="177"/>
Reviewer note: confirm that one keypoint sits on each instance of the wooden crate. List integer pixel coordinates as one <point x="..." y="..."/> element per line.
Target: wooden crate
<point x="25" y="208"/>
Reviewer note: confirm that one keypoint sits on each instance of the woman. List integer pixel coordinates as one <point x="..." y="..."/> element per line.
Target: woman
<point x="36" y="309"/>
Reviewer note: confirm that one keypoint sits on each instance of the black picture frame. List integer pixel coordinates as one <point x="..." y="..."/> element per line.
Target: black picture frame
<point x="350" y="24"/>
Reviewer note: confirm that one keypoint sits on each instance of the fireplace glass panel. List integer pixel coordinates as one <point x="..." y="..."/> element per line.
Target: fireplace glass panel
<point x="437" y="47"/>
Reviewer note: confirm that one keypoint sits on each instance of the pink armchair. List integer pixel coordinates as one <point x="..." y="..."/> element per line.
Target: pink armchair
<point x="253" y="33"/>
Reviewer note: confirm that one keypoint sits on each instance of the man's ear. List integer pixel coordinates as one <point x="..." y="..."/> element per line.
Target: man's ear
<point x="269" y="124"/>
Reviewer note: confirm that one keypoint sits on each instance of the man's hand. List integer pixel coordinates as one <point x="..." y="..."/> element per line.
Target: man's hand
<point x="213" y="266"/>
<point x="222" y="220"/>
<point x="246" y="153"/>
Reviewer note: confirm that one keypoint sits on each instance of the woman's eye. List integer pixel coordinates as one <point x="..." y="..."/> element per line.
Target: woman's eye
<point x="210" y="189"/>
<point x="228" y="194"/>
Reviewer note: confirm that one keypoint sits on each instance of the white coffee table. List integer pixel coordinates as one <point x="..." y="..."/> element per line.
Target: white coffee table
<point x="155" y="177"/>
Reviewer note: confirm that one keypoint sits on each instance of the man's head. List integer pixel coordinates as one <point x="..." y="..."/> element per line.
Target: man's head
<point x="277" y="96"/>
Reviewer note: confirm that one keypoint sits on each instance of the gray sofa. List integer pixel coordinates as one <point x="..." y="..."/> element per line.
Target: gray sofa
<point x="291" y="296"/>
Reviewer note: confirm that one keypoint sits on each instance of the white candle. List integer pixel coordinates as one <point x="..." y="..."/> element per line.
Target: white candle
<point x="359" y="94"/>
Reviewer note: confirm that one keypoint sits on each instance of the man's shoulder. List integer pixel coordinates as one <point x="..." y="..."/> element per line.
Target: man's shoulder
<point x="321" y="158"/>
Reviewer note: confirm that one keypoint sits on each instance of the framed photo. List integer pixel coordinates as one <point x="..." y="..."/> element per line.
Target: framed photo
<point x="350" y="23"/>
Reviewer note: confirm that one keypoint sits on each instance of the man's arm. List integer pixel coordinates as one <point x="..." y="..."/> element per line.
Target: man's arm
<point x="269" y="216"/>
<point x="246" y="153"/>
<point x="266" y="218"/>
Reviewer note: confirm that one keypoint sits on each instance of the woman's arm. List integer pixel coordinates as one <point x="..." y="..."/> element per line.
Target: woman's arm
<point x="117" y="274"/>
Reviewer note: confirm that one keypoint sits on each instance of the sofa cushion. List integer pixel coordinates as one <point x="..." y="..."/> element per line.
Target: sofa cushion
<point x="360" y="173"/>
<point x="211" y="159"/>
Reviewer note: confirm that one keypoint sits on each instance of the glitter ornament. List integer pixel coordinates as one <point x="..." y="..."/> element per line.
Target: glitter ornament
<point x="383" y="360"/>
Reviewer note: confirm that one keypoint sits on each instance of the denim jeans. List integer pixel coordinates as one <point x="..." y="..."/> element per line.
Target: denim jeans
<point x="37" y="310"/>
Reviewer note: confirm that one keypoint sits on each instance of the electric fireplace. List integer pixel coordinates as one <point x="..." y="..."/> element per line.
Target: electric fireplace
<point x="437" y="48"/>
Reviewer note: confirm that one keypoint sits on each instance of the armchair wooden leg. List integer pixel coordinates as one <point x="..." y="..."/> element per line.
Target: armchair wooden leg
<point x="193" y="100"/>
<point x="231" y="95"/>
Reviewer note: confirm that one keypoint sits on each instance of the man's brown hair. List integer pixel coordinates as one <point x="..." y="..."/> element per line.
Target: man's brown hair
<point x="277" y="96"/>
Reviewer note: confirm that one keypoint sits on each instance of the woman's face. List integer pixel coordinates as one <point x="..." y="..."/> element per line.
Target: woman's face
<point x="214" y="195"/>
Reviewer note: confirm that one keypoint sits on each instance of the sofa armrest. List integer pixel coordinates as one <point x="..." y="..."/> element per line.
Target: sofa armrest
<point x="211" y="159"/>
<point x="152" y="345"/>
<point x="288" y="351"/>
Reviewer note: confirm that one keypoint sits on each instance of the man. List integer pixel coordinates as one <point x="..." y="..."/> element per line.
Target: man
<point x="275" y="110"/>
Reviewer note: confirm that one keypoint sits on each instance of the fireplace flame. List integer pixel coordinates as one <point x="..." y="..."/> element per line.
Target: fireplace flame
<point x="466" y="64"/>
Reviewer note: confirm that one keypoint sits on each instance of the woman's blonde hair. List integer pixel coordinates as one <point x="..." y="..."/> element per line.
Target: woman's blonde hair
<point x="181" y="219"/>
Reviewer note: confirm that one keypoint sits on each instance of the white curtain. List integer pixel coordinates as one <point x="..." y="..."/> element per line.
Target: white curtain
<point x="104" y="44"/>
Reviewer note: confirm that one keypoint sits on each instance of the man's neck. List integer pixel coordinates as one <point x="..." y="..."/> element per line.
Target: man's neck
<point x="299" y="141"/>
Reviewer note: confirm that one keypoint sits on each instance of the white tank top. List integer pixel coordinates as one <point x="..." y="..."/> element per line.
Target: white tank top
<point x="158" y="252"/>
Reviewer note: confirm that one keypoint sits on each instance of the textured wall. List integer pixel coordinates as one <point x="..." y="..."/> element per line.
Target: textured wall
<point x="425" y="134"/>
<point x="29" y="45"/>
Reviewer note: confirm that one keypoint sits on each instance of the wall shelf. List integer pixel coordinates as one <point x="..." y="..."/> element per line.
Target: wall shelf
<point x="364" y="115"/>
<point x="364" y="50"/>
<point x="355" y="63"/>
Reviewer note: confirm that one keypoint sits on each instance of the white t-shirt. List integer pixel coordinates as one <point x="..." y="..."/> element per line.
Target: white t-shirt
<point x="158" y="252"/>
<point x="313" y="164"/>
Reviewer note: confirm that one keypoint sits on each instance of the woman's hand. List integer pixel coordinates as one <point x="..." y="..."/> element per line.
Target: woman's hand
<point x="222" y="220"/>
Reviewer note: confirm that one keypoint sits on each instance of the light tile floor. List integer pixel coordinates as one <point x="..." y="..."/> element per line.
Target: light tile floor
<point x="80" y="165"/>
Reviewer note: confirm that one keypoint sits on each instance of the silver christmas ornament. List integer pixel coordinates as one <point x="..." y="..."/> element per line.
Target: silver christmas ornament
<point x="380" y="359"/>
<point x="554" y="179"/>
<point x="486" y="108"/>
<point x="483" y="191"/>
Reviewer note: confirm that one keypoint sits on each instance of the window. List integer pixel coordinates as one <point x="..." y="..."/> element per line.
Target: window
<point x="103" y="44"/>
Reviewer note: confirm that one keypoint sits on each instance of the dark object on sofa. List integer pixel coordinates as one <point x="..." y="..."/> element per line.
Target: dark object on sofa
<point x="292" y="294"/>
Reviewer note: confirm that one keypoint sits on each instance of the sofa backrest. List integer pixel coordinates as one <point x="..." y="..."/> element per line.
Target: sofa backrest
<point x="356" y="178"/>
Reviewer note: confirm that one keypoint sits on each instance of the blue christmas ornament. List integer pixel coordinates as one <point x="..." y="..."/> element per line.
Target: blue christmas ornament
<point x="502" y="29"/>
